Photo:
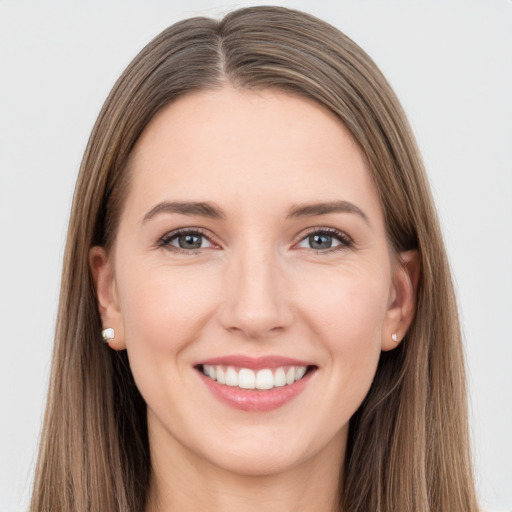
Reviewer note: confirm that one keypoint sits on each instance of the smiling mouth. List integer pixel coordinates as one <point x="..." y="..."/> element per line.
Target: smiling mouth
<point x="262" y="379"/>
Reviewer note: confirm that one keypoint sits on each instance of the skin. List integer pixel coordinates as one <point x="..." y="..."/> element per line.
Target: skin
<point x="257" y="286"/>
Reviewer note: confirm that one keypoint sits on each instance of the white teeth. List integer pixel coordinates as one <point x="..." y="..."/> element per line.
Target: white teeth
<point x="246" y="378"/>
<point x="231" y="377"/>
<point x="279" y="378"/>
<point x="300" y="371"/>
<point x="221" y="376"/>
<point x="209" y="371"/>
<point x="264" y="379"/>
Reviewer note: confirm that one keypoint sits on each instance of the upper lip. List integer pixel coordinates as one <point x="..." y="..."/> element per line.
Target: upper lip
<point x="254" y="363"/>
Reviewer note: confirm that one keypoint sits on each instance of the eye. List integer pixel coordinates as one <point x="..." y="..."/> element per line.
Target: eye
<point x="185" y="240"/>
<point x="325" y="239"/>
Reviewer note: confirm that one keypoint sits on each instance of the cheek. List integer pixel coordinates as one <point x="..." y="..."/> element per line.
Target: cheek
<point x="347" y="314"/>
<point x="164" y="309"/>
<point x="344" y="317"/>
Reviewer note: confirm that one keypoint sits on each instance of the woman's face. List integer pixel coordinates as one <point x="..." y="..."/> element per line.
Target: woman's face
<point x="251" y="248"/>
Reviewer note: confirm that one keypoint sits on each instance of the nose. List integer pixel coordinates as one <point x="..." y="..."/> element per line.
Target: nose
<point x="256" y="301"/>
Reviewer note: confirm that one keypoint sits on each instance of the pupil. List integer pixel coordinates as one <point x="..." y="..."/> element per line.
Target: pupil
<point x="190" y="241"/>
<point x="320" y="241"/>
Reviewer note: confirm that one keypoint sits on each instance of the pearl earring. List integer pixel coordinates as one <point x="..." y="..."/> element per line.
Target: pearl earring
<point x="108" y="334"/>
<point x="394" y="337"/>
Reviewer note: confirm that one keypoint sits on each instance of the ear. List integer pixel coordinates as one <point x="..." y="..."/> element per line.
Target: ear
<point x="106" y="292"/>
<point x="402" y="304"/>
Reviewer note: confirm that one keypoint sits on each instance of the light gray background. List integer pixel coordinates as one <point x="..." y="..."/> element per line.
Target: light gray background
<point x="451" y="65"/>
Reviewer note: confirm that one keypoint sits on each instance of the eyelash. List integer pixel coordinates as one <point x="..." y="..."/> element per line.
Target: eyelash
<point x="166" y="240"/>
<point x="345" y="242"/>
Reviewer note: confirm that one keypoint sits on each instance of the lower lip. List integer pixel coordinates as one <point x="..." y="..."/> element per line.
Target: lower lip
<point x="253" y="399"/>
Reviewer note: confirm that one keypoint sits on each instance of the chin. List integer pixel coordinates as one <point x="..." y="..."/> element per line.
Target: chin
<point x="258" y="463"/>
<point x="270" y="452"/>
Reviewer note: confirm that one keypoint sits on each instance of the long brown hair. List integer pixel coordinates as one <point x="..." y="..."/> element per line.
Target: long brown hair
<point x="408" y="442"/>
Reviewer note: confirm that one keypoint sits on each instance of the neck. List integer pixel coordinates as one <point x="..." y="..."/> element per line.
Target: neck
<point x="185" y="481"/>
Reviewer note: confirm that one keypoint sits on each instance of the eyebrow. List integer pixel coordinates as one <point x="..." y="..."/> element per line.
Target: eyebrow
<point x="210" y="210"/>
<point x="314" y="209"/>
<point x="202" y="209"/>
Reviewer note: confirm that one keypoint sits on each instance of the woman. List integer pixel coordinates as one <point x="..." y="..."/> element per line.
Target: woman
<point x="254" y="235"/>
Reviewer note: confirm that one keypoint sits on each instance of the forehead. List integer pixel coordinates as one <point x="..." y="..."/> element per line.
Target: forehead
<point x="229" y="143"/>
